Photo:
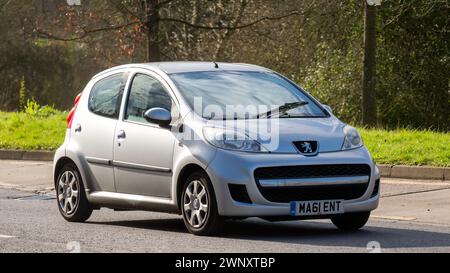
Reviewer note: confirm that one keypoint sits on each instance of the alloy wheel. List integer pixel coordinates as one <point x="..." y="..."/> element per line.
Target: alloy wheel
<point x="68" y="192"/>
<point x="196" y="201"/>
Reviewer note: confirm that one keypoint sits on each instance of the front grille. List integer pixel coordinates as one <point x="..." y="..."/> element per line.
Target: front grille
<point x="312" y="171"/>
<point x="307" y="193"/>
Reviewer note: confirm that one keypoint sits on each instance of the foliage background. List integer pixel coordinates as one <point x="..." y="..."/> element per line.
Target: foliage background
<point x="54" y="49"/>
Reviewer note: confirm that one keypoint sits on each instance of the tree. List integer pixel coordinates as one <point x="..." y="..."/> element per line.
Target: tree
<point x="318" y="43"/>
<point x="146" y="18"/>
<point x="369" y="112"/>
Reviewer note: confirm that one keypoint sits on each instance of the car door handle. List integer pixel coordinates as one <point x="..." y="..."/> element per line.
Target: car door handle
<point x="121" y="134"/>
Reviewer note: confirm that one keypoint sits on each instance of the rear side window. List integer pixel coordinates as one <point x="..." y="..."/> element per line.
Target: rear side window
<point x="106" y="96"/>
<point x="146" y="93"/>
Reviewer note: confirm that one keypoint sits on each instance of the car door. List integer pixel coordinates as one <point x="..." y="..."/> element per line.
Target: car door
<point x="94" y="128"/>
<point x="143" y="152"/>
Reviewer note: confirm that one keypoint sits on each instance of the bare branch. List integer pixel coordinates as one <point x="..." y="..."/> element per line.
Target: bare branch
<point x="262" y="19"/>
<point x="222" y="43"/>
<point x="3" y="4"/>
<point x="84" y="34"/>
<point x="124" y="10"/>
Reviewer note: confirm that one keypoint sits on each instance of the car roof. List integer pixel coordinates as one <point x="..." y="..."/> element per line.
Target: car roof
<point x="184" y="67"/>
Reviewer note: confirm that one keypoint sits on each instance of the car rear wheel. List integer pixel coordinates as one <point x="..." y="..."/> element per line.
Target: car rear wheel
<point x="199" y="207"/>
<point x="351" y="221"/>
<point x="72" y="202"/>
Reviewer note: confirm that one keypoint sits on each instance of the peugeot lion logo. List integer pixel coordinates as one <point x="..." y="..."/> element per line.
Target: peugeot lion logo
<point x="307" y="147"/>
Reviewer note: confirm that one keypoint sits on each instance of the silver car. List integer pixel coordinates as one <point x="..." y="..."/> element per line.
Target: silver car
<point x="211" y="141"/>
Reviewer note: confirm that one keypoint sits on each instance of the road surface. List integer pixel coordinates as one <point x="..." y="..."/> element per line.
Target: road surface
<point x="414" y="216"/>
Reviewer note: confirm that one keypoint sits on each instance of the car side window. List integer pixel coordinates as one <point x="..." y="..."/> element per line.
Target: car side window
<point x="106" y="96"/>
<point x="146" y="92"/>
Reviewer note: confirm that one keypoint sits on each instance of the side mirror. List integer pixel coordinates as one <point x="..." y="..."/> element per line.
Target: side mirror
<point x="328" y="108"/>
<point x="160" y="116"/>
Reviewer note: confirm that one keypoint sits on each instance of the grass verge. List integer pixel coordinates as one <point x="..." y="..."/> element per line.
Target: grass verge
<point x="32" y="132"/>
<point x="409" y="147"/>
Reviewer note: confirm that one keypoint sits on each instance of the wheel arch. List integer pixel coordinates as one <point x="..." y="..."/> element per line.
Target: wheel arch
<point x="185" y="172"/>
<point x="60" y="164"/>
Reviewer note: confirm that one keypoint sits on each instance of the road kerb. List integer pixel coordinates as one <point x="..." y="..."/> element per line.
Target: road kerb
<point x="26" y="155"/>
<point x="389" y="171"/>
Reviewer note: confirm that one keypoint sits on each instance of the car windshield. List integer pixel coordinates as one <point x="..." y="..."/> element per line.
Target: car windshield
<point x="244" y="94"/>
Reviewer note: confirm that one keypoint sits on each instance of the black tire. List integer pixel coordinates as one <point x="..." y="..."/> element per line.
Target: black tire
<point x="81" y="210"/>
<point x="213" y="223"/>
<point x="351" y="221"/>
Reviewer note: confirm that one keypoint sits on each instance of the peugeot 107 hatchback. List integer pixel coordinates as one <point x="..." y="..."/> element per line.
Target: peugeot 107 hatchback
<point x="211" y="141"/>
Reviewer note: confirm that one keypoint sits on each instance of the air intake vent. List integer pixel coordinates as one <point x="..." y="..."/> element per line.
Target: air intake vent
<point x="239" y="193"/>
<point x="376" y="189"/>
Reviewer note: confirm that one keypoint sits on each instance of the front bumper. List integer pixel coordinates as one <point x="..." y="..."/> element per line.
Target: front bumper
<point x="238" y="168"/>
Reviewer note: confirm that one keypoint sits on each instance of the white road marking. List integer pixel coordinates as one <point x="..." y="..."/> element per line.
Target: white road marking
<point x="6" y="236"/>
<point x="416" y="183"/>
<point x="397" y="218"/>
<point x="6" y="184"/>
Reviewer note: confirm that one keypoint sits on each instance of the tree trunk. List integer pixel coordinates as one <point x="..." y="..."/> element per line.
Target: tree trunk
<point x="152" y="30"/>
<point x="369" y="111"/>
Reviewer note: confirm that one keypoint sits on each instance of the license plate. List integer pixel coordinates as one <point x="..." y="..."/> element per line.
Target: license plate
<point x="322" y="207"/>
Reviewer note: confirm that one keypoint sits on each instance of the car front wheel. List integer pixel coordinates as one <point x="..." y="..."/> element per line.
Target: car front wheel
<point x="199" y="206"/>
<point x="72" y="202"/>
<point x="351" y="221"/>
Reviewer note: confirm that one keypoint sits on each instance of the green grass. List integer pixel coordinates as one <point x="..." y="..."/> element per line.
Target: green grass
<point x="409" y="147"/>
<point x="32" y="132"/>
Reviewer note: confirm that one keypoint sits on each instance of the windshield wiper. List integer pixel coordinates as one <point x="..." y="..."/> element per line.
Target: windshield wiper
<point x="283" y="109"/>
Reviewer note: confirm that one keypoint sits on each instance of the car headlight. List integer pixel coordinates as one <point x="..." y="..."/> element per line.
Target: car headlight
<point x="231" y="140"/>
<point x="352" y="138"/>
